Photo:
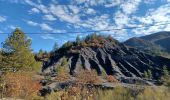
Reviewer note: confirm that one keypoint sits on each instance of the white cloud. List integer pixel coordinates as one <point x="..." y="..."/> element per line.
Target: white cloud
<point x="92" y="2"/>
<point x="149" y="1"/>
<point x="78" y="15"/>
<point x="90" y="11"/>
<point x="32" y="23"/>
<point x="2" y="18"/>
<point x="46" y="27"/>
<point x="59" y="31"/>
<point x="12" y="27"/>
<point x="153" y="16"/>
<point x="48" y="36"/>
<point x="34" y="10"/>
<point x="121" y="19"/>
<point x="43" y="8"/>
<point x="49" y="17"/>
<point x="30" y="2"/>
<point x="74" y="9"/>
<point x="130" y="6"/>
<point x="63" y="13"/>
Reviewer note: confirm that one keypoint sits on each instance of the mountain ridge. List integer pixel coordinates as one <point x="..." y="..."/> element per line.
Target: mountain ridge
<point x="105" y="53"/>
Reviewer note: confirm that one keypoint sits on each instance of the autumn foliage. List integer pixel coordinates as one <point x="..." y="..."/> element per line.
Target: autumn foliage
<point x="88" y="77"/>
<point x="20" y="85"/>
<point x="112" y="79"/>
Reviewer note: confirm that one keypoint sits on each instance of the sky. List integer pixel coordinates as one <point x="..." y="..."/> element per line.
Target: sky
<point x="50" y="21"/>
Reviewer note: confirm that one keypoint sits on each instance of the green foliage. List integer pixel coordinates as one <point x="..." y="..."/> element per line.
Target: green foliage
<point x="145" y="74"/>
<point x="67" y="44"/>
<point x="165" y="71"/>
<point x="148" y="74"/>
<point x="78" y="39"/>
<point x="55" y="47"/>
<point x="165" y="76"/>
<point x="16" y="52"/>
<point x="62" y="68"/>
<point x="40" y="52"/>
<point x="91" y="37"/>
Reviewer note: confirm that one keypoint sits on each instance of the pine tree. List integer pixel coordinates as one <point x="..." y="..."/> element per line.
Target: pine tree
<point x="40" y="52"/>
<point x="55" y="47"/>
<point x="149" y="74"/>
<point x="165" y="71"/>
<point x="165" y="74"/>
<point x="78" y="39"/>
<point x="17" y="53"/>
<point x="145" y="74"/>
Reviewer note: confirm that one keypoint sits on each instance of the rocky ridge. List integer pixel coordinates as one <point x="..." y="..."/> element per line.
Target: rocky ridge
<point x="109" y="55"/>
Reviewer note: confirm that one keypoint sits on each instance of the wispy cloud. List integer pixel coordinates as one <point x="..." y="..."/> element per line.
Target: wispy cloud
<point x="159" y="15"/>
<point x="34" y="10"/>
<point x="46" y="27"/>
<point x="49" y="17"/>
<point x="32" y="23"/>
<point x="130" y="6"/>
<point x="2" y="18"/>
<point x="12" y="27"/>
<point x="84" y="15"/>
<point x="48" y="36"/>
<point x="62" y="12"/>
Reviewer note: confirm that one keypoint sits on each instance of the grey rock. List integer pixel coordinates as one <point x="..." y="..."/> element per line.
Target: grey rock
<point x="116" y="59"/>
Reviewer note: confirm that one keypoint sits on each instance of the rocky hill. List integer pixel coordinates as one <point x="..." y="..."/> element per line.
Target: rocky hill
<point x="142" y="44"/>
<point x="146" y="46"/>
<point x="106" y="54"/>
<point x="161" y="38"/>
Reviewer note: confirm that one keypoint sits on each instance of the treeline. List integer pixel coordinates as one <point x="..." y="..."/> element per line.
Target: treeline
<point x="90" y="40"/>
<point x="16" y="53"/>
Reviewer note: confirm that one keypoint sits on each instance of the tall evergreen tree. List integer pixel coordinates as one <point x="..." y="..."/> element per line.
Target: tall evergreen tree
<point x="17" y="53"/>
<point x="55" y="47"/>
<point x="145" y="74"/>
<point x="165" y="74"/>
<point x="165" y="71"/>
<point x="40" y="52"/>
<point x="149" y="74"/>
<point x="78" y="38"/>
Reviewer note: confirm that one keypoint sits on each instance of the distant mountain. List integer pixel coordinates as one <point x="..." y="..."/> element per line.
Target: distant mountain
<point x="161" y="38"/>
<point x="106" y="54"/>
<point x="157" y="43"/>
<point x="141" y="44"/>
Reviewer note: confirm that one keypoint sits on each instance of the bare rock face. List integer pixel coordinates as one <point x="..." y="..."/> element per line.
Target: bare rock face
<point x="113" y="58"/>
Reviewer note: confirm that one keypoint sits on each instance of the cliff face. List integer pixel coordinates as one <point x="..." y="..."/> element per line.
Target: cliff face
<point x="107" y="55"/>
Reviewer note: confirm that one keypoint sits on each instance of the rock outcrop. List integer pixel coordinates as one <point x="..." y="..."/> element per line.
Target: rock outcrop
<point x="107" y="55"/>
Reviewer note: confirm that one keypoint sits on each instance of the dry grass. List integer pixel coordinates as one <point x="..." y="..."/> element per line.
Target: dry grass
<point x="62" y="77"/>
<point x="88" y="77"/>
<point x="20" y="85"/>
<point x="112" y="79"/>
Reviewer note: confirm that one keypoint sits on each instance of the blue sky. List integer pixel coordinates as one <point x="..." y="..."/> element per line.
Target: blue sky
<point x="63" y="16"/>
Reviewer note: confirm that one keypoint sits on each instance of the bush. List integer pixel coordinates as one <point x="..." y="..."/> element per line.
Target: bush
<point x="62" y="72"/>
<point x="112" y="79"/>
<point x="21" y="85"/>
<point x="88" y="77"/>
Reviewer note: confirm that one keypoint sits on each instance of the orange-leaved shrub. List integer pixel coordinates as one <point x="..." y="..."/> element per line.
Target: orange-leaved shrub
<point x="112" y="79"/>
<point x="21" y="85"/>
<point x="88" y="77"/>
